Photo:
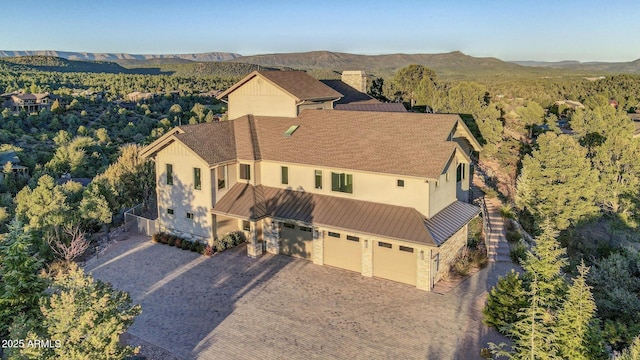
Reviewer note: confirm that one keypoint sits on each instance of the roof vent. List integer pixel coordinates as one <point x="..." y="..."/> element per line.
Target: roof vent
<point x="291" y="130"/>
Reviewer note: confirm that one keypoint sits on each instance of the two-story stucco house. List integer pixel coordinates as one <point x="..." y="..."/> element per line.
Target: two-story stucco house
<point x="380" y="193"/>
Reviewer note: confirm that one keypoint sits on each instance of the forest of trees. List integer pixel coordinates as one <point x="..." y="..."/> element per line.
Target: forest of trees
<point x="579" y="291"/>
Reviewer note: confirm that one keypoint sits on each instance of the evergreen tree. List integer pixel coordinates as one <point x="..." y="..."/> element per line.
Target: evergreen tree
<point x="504" y="302"/>
<point x="86" y="316"/>
<point x="20" y="285"/>
<point x="557" y="182"/>
<point x="574" y="318"/>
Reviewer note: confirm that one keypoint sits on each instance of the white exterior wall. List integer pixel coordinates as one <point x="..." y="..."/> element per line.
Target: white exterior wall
<point x="181" y="196"/>
<point x="375" y="187"/>
<point x="259" y="97"/>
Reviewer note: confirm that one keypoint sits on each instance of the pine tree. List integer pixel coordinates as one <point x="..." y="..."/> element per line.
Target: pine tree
<point x="575" y="317"/>
<point x="504" y="302"/>
<point x="86" y="316"/>
<point x="532" y="336"/>
<point x="545" y="261"/>
<point x="21" y="286"/>
<point x="557" y="182"/>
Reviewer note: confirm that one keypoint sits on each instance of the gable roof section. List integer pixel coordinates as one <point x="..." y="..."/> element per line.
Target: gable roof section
<point x="298" y="84"/>
<point x="214" y="143"/>
<point x="394" y="143"/>
<point x="390" y="221"/>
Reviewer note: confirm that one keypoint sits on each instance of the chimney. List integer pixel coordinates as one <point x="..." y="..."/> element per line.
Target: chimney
<point x="357" y="79"/>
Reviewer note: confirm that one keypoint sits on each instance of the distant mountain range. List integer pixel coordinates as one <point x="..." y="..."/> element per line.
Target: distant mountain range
<point x="85" y="56"/>
<point x="321" y="63"/>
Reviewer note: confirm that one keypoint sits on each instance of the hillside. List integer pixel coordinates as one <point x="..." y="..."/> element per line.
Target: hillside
<point x="190" y="68"/>
<point x="85" y="56"/>
<point x="449" y="64"/>
<point x="630" y="67"/>
<point x="49" y="63"/>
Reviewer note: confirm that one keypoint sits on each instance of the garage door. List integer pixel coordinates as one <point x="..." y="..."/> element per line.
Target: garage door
<point x="296" y="241"/>
<point x="393" y="262"/>
<point x="343" y="251"/>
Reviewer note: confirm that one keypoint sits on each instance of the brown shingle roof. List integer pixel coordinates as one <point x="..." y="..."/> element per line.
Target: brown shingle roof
<point x="350" y="95"/>
<point x="213" y="142"/>
<point x="297" y="83"/>
<point x="364" y="106"/>
<point x="394" y="143"/>
<point x="390" y="221"/>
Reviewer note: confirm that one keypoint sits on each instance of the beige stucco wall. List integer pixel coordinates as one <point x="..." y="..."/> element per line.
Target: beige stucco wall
<point x="375" y="187"/>
<point x="443" y="193"/>
<point x="225" y="225"/>
<point x="259" y="97"/>
<point x="181" y="196"/>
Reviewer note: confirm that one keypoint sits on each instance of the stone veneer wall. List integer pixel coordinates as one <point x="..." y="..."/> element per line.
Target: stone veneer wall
<point x="318" y="246"/>
<point x="423" y="277"/>
<point x="450" y="250"/>
<point x="272" y="236"/>
<point x="367" y="257"/>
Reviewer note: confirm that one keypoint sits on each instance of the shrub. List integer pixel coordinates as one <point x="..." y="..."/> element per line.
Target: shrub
<point x="178" y="242"/>
<point x="514" y="236"/>
<point x="155" y="238"/>
<point x="229" y="240"/>
<point x="239" y="238"/>
<point x="186" y="244"/>
<point x="208" y="250"/>
<point x="200" y="247"/>
<point x="489" y="192"/>
<point x="194" y="246"/>
<point x="506" y="211"/>
<point x="505" y="301"/>
<point x="163" y="238"/>
<point x="219" y="244"/>
<point x="518" y="253"/>
<point x="171" y="240"/>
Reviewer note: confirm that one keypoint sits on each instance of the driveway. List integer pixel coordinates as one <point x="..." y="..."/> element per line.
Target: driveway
<point x="230" y="306"/>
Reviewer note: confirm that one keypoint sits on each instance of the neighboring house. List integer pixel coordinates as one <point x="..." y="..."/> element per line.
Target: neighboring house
<point x="30" y="103"/>
<point x="138" y="96"/>
<point x="380" y="193"/>
<point x="65" y="178"/>
<point x="10" y="156"/>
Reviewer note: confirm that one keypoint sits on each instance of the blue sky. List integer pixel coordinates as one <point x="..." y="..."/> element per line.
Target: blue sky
<point x="585" y="30"/>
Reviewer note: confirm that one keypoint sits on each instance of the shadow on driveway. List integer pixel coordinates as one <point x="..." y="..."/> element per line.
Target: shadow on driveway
<point x="230" y="306"/>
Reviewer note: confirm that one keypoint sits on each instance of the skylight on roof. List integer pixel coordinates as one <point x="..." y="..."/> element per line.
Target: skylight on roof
<point x="291" y="130"/>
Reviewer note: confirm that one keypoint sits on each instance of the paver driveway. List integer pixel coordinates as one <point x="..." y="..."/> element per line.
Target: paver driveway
<point x="230" y="306"/>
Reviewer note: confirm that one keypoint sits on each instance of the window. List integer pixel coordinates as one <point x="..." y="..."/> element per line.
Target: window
<point x="289" y="226"/>
<point x="170" y="211"/>
<point x="246" y="226"/>
<point x="353" y="238"/>
<point x="197" y="182"/>
<point x="384" y="245"/>
<point x="221" y="174"/>
<point x="406" y="248"/>
<point x="245" y="171"/>
<point x="306" y="229"/>
<point x="190" y="215"/>
<point x="169" y="174"/>
<point x="342" y="182"/>
<point x="334" y="234"/>
<point x="318" y="174"/>
<point x="400" y="183"/>
<point x="284" y="170"/>
<point x="460" y="172"/>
